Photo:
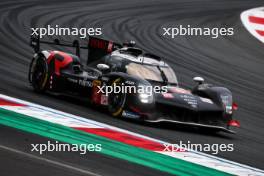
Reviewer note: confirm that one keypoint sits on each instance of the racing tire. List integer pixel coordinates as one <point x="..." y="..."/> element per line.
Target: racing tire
<point x="39" y="73"/>
<point x="116" y="101"/>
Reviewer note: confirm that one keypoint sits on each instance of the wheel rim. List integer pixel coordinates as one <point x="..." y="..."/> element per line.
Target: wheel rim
<point x="39" y="76"/>
<point x="116" y="101"/>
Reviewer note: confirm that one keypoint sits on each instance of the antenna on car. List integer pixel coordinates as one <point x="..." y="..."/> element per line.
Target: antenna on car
<point x="77" y="45"/>
<point x="34" y="43"/>
<point x="56" y="41"/>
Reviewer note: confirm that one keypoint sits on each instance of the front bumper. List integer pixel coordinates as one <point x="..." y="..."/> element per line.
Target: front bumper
<point x="200" y="118"/>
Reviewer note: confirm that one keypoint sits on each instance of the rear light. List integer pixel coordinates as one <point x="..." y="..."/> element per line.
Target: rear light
<point x="234" y="106"/>
<point x="234" y="123"/>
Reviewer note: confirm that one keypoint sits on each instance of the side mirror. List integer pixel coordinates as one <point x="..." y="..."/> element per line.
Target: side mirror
<point x="198" y="79"/>
<point x="102" y="67"/>
<point x="77" y="69"/>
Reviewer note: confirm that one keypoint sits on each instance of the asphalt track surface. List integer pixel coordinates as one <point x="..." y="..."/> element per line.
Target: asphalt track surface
<point x="17" y="158"/>
<point x="234" y="61"/>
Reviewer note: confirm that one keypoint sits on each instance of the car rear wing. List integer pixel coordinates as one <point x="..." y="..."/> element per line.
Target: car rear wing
<point x="97" y="48"/>
<point x="35" y="44"/>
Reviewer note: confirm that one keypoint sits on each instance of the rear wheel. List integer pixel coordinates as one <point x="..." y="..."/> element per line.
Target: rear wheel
<point x="116" y="100"/>
<point x="39" y="74"/>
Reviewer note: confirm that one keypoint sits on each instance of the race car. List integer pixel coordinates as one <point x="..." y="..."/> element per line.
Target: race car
<point x="111" y="65"/>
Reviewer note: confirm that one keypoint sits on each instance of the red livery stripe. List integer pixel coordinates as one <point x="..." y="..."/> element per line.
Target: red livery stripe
<point x="257" y="20"/>
<point x="260" y="32"/>
<point x="60" y="64"/>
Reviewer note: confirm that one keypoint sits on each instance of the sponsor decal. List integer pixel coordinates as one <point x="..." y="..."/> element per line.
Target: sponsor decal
<point x="72" y="80"/>
<point x="129" y="114"/>
<point x="104" y="78"/>
<point x="130" y="82"/>
<point x="179" y="90"/>
<point x="191" y="100"/>
<point x="85" y="83"/>
<point x="168" y="95"/>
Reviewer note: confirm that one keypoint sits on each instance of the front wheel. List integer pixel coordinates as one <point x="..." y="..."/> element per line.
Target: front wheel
<point x="116" y="99"/>
<point x="39" y="74"/>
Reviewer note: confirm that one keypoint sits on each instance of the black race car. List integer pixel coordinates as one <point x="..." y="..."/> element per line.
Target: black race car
<point x="147" y="86"/>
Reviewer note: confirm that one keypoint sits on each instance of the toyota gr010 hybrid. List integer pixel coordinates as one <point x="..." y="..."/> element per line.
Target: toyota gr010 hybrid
<point x="110" y="64"/>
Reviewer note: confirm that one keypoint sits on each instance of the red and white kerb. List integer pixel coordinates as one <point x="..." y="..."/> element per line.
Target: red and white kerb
<point x="253" y="20"/>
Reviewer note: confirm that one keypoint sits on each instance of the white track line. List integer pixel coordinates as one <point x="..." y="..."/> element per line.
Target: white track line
<point x="52" y="162"/>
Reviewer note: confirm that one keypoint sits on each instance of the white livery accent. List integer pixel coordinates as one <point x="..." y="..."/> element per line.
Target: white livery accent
<point x="46" y="54"/>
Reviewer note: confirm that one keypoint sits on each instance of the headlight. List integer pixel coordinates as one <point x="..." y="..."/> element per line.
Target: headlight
<point x="145" y="98"/>
<point x="145" y="93"/>
<point x="227" y="103"/>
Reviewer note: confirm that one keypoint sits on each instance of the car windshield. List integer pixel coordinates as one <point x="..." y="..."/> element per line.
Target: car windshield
<point x="152" y="72"/>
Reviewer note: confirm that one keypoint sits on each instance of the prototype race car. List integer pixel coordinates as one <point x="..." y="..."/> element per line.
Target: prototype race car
<point x="111" y="65"/>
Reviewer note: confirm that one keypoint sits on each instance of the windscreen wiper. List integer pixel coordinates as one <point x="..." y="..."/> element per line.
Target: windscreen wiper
<point x="163" y="76"/>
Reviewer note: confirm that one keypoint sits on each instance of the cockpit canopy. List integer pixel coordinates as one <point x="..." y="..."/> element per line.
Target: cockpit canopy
<point x="152" y="72"/>
<point x="144" y="65"/>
